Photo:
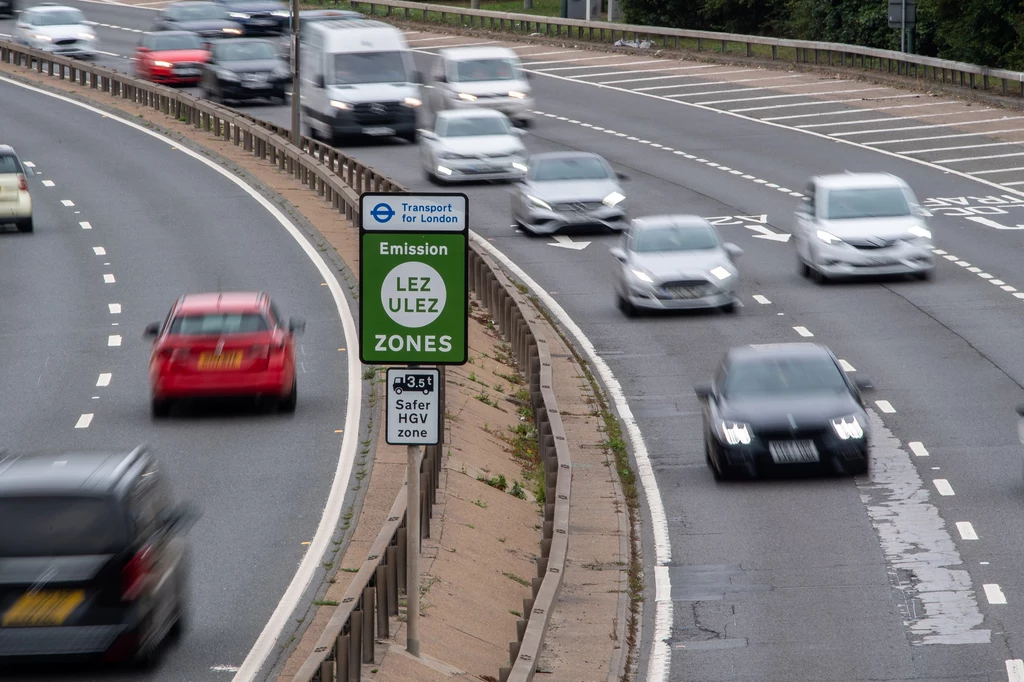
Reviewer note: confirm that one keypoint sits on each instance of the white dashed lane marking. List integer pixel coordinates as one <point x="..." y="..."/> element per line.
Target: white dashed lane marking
<point x="48" y="183"/>
<point x="114" y="340"/>
<point x="943" y="486"/>
<point x="85" y="225"/>
<point x="994" y="593"/>
<point x="99" y="250"/>
<point x="918" y="448"/>
<point x="115" y="308"/>
<point x="847" y="367"/>
<point x="885" y="406"/>
<point x="67" y="202"/>
<point x="1015" y="670"/>
<point x="108" y="278"/>
<point x="966" y="530"/>
<point x="803" y="331"/>
<point x="761" y="299"/>
<point x="84" y="421"/>
<point x="104" y="379"/>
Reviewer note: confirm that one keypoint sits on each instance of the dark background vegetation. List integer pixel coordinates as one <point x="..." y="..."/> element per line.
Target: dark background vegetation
<point x="986" y="32"/>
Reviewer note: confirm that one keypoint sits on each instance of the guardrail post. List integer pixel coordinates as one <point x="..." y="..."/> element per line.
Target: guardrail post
<point x="327" y="671"/>
<point x="368" y="625"/>
<point x="341" y="648"/>
<point x="403" y="579"/>
<point x="355" y="644"/>
<point x="380" y="580"/>
<point x="391" y="556"/>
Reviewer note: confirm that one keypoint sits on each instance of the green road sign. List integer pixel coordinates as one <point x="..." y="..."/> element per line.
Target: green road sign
<point x="413" y="298"/>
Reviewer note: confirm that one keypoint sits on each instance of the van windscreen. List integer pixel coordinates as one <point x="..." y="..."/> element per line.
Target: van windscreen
<point x="353" y="68"/>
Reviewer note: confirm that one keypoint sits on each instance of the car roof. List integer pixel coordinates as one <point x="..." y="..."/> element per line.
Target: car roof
<point x="459" y="54"/>
<point x="769" y="351"/>
<point x="858" y="181"/>
<point x="50" y="7"/>
<point x="547" y="156"/>
<point x="171" y="33"/>
<point x="221" y="301"/>
<point x="471" y="113"/>
<point x="7" y="149"/>
<point x="318" y="14"/>
<point x="680" y="220"/>
<point x="192" y="3"/>
<point x="65" y="473"/>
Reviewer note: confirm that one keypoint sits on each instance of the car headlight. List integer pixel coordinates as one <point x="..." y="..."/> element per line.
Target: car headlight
<point x="642" y="276"/>
<point x="828" y="237"/>
<point x="613" y="199"/>
<point x="519" y="166"/>
<point x="166" y="65"/>
<point x="232" y="31"/>
<point x="466" y="97"/>
<point x="848" y="427"/>
<point x="227" y="75"/>
<point x="720" y="273"/>
<point x="340" y="105"/>
<point x="281" y="13"/>
<point x="919" y="233"/>
<point x="87" y="36"/>
<point x="412" y="102"/>
<point x="536" y="201"/>
<point x="46" y="39"/>
<point x="448" y="155"/>
<point x="736" y="433"/>
<point x="238" y="15"/>
<point x="516" y="94"/>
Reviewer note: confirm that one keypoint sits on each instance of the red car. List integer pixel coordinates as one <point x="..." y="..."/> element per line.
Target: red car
<point x="221" y="345"/>
<point x="171" y="57"/>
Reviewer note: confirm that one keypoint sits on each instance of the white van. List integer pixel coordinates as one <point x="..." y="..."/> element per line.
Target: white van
<point x="358" y="78"/>
<point x="491" y="77"/>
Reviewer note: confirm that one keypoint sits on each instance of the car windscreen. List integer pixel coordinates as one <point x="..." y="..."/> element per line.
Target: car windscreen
<point x="9" y="164"/>
<point x="198" y="13"/>
<point x="482" y="70"/>
<point x="245" y="52"/>
<point x="470" y="126"/>
<point x="572" y="168"/>
<point x="783" y="376"/>
<point x="159" y="43"/>
<point x="353" y="68"/>
<point x="218" y="323"/>
<point x="61" y="17"/>
<point x="60" y="526"/>
<point x="881" y="202"/>
<point x="674" y="238"/>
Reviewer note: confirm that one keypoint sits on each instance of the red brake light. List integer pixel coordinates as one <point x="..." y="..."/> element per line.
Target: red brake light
<point x="22" y="183"/>
<point x="134" y="574"/>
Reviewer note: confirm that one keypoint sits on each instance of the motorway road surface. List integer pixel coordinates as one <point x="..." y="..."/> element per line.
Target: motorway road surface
<point x="911" y="574"/>
<point x="162" y="224"/>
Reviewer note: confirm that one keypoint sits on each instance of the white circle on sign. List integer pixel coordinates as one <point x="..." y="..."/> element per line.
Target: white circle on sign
<point x="413" y="294"/>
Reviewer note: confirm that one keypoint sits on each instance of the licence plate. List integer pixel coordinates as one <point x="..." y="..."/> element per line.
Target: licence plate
<point x="212" y="361"/>
<point x="880" y="261"/>
<point x="262" y="22"/>
<point x="378" y="131"/>
<point x="46" y="607"/>
<point x="793" y="451"/>
<point x="187" y="72"/>
<point x="256" y="86"/>
<point x="686" y="292"/>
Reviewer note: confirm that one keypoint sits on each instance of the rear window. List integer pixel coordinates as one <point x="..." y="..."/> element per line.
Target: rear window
<point x="218" y="323"/>
<point x="9" y="164"/>
<point x="160" y="43"/>
<point x="60" y="526"/>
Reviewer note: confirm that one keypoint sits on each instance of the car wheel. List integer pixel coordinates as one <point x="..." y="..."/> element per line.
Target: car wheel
<point x="802" y="268"/>
<point x="288" y="404"/>
<point x="411" y="136"/>
<point x="627" y="308"/>
<point x="160" y="408"/>
<point x="729" y="307"/>
<point x="25" y="225"/>
<point x="927" y="275"/>
<point x="527" y="122"/>
<point x="721" y="472"/>
<point x="818" y="277"/>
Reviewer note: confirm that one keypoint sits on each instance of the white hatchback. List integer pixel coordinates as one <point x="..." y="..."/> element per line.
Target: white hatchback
<point x="57" y="29"/>
<point x="15" y="200"/>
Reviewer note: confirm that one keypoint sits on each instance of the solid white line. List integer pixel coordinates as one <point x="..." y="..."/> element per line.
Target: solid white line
<point x="85" y="225"/>
<point x="917" y="447"/>
<point x="885" y="119"/>
<point x="815" y="103"/>
<point x="885" y="406"/>
<point x="964" y="146"/>
<point x="936" y="137"/>
<point x="114" y="340"/>
<point x="698" y="85"/>
<point x="67" y="202"/>
<point x="979" y="158"/>
<point x="1012" y="184"/>
<point x="115" y="308"/>
<point x="856" y="111"/>
<point x="966" y="530"/>
<point x="929" y="126"/>
<point x="994" y="593"/>
<point x="537" y="54"/>
<point x="622" y="71"/>
<point x="1015" y="670"/>
<point x="999" y="170"/>
<point x="943" y="486"/>
<point x="661" y="652"/>
<point x="569" y="61"/>
<point x="790" y="95"/>
<point x="84" y="421"/>
<point x="761" y="299"/>
<point x="29" y="164"/>
<point x="847" y="367"/>
<point x="104" y="379"/>
<point x="99" y="250"/>
<point x="48" y="183"/>
<point x="108" y="278"/>
<point x="803" y="331"/>
<point x="677" y="75"/>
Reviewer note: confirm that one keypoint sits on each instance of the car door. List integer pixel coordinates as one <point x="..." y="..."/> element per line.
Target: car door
<point x="804" y="220"/>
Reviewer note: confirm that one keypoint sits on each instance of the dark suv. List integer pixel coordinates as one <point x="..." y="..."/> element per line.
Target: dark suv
<point x="92" y="557"/>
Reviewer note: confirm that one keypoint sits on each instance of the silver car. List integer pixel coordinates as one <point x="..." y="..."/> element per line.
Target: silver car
<point x="477" y="144"/>
<point x="675" y="262"/>
<point x="569" y="190"/>
<point x="57" y="29"/>
<point x="852" y="224"/>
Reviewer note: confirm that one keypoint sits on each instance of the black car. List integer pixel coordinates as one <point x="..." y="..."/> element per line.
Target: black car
<point x="783" y="405"/>
<point x="243" y="69"/>
<point x="259" y="17"/>
<point x="7" y="8"/>
<point x="92" y="557"/>
<point x="208" y="19"/>
<point x="284" y="45"/>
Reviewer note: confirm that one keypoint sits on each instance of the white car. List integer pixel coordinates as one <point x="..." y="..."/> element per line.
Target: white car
<point x="481" y="77"/>
<point x="479" y="144"/>
<point x="851" y="224"/>
<point x="15" y="200"/>
<point x="58" y="29"/>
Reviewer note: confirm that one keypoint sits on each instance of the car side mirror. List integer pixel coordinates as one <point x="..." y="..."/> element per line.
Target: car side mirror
<point x="152" y="331"/>
<point x="703" y="391"/>
<point x="733" y="250"/>
<point x="621" y="176"/>
<point x="296" y="325"/>
<point x="618" y="254"/>
<point x="863" y="384"/>
<point x="319" y="81"/>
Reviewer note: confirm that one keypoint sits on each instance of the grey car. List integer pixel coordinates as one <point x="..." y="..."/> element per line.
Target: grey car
<point x="675" y="262"/>
<point x="208" y="19"/>
<point x="474" y="144"/>
<point x="569" y="190"/>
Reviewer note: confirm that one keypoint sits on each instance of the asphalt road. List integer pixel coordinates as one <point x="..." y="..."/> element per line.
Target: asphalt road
<point x="162" y="224"/>
<point x="900" y="576"/>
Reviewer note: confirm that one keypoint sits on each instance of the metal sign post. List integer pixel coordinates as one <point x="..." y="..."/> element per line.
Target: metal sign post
<point x="413" y="310"/>
<point x="903" y="15"/>
<point x="296" y="94"/>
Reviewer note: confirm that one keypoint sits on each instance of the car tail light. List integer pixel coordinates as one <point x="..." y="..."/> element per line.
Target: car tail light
<point x="135" y="573"/>
<point x="22" y="183"/>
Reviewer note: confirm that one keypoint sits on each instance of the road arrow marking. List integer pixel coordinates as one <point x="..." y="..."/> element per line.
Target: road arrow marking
<point x="992" y="223"/>
<point x="566" y="243"/>
<point x="765" y="233"/>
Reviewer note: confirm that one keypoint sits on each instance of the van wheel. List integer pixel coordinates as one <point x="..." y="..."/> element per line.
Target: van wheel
<point x="160" y="408"/>
<point x="410" y="136"/>
<point x="25" y="225"/>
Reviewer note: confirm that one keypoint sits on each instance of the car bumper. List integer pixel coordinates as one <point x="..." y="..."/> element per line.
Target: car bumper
<point x="833" y="453"/>
<point x="220" y="384"/>
<point x="466" y="170"/>
<point x="19" y="209"/>
<point x="515" y="108"/>
<point x="169" y="78"/>
<point x="652" y="298"/>
<point x="846" y="261"/>
<point x="81" y="50"/>
<point x="250" y="28"/>
<point x="541" y="221"/>
<point x="240" y="91"/>
<point x="347" y="125"/>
